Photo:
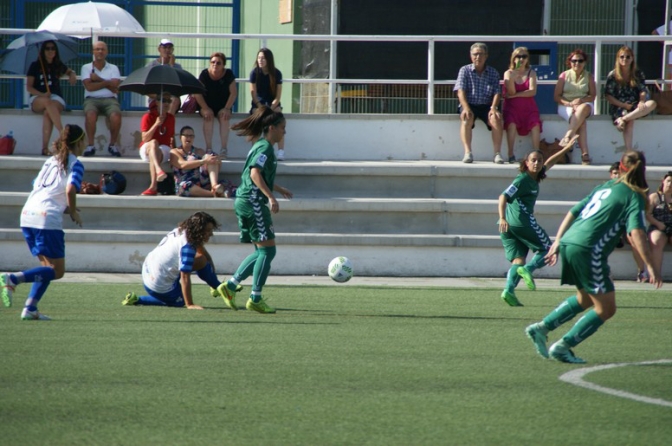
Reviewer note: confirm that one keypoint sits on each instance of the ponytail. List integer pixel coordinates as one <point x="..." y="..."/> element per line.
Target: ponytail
<point x="258" y="122"/>
<point x="71" y="135"/>
<point x="633" y="168"/>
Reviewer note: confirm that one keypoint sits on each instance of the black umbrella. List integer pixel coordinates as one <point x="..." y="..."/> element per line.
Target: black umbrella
<point x="158" y="79"/>
<point x="24" y="50"/>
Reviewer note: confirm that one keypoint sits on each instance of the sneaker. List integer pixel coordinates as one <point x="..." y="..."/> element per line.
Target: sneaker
<point x="89" y="151"/>
<point x="114" y="150"/>
<point x="539" y="339"/>
<point x="259" y="307"/>
<point x="161" y="176"/>
<point x="130" y="299"/>
<point x="498" y="159"/>
<point x="7" y="289"/>
<point x="561" y="352"/>
<point x="468" y="158"/>
<point x="228" y="295"/>
<point x="281" y="154"/>
<point x="527" y="277"/>
<point x="510" y="299"/>
<point x="512" y="160"/>
<point x="215" y="293"/>
<point x="33" y="316"/>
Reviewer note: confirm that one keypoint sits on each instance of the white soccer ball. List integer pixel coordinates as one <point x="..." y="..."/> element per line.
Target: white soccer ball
<point x="340" y="269"/>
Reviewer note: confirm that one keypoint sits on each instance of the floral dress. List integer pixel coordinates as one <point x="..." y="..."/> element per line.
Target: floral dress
<point x="624" y="93"/>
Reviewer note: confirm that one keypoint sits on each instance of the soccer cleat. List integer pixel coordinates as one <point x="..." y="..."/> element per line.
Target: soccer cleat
<point x="215" y="293"/>
<point x="130" y="299"/>
<point x="511" y="299"/>
<point x="228" y="295"/>
<point x="27" y="315"/>
<point x="538" y="338"/>
<point x="259" y="307"/>
<point x="114" y="150"/>
<point x="527" y="277"/>
<point x="89" y="151"/>
<point x="560" y="352"/>
<point x="6" y="289"/>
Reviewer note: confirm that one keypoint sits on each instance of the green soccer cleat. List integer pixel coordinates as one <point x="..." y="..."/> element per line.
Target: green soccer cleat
<point x="259" y="307"/>
<point x="131" y="299"/>
<point x="561" y="352"/>
<point x="539" y="339"/>
<point x="527" y="277"/>
<point x="33" y="316"/>
<point x="215" y="293"/>
<point x="6" y="289"/>
<point x="228" y="295"/>
<point x="511" y="299"/>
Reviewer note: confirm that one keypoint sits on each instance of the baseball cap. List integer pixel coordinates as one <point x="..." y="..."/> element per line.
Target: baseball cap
<point x="165" y="42"/>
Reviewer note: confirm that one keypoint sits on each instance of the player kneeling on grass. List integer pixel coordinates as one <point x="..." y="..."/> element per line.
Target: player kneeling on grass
<point x="586" y="237"/>
<point x="166" y="272"/>
<point x="54" y="193"/>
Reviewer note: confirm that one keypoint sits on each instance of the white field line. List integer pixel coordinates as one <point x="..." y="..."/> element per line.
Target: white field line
<point x="576" y="377"/>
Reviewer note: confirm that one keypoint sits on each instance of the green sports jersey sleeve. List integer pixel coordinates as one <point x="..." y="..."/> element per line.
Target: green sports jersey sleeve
<point x="260" y="157"/>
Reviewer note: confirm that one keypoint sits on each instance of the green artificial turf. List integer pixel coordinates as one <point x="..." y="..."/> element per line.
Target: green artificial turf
<point x="335" y="365"/>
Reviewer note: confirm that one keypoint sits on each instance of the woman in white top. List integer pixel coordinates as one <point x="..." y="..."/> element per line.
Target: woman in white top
<point x="54" y="193"/>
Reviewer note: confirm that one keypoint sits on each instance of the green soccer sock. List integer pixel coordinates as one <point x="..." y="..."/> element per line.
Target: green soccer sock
<point x="536" y="262"/>
<point x="246" y="266"/>
<point x="564" y="313"/>
<point x="583" y="328"/>
<point x="512" y="278"/>
<point x="261" y="269"/>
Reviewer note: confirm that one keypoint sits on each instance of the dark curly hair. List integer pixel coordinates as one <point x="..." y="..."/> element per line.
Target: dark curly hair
<point x="195" y="225"/>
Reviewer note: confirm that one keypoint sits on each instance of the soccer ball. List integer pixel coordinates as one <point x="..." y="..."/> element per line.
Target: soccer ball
<point x="340" y="269"/>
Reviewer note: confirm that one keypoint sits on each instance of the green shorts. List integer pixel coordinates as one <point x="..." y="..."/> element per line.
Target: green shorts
<point x="254" y="221"/>
<point x="519" y="240"/>
<point x="102" y="106"/>
<point x="585" y="268"/>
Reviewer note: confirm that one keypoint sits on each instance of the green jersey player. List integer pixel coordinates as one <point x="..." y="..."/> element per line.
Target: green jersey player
<point x="587" y="235"/>
<point x="518" y="228"/>
<point x="255" y="202"/>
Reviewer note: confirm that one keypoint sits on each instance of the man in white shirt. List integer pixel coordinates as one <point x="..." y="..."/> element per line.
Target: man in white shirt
<point x="101" y="81"/>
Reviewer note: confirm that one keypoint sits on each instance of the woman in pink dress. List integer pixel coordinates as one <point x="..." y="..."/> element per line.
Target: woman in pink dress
<point x="521" y="114"/>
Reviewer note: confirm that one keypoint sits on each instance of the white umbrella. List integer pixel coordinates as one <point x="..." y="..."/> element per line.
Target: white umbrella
<point x="90" y="17"/>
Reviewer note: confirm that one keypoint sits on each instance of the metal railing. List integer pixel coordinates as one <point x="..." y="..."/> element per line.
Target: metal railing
<point x="336" y="85"/>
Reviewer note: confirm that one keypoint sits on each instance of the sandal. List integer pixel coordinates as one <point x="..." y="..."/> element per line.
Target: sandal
<point x="46" y="152"/>
<point x="218" y="191"/>
<point x="585" y="159"/>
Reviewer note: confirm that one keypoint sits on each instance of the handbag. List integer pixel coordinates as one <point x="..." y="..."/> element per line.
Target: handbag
<point x="663" y="100"/>
<point x="190" y="105"/>
<point x="550" y="149"/>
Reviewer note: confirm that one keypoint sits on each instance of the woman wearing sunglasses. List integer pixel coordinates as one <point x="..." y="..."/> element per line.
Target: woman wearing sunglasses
<point x="627" y="95"/>
<point x="575" y="92"/>
<point x="43" y="84"/>
<point x="521" y="114"/>
<point x="217" y="103"/>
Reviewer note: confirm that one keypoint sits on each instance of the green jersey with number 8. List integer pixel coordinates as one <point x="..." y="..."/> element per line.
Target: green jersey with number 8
<point x="603" y="215"/>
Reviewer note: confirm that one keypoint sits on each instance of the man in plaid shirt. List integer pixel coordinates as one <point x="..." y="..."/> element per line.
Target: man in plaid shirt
<point x="479" y="93"/>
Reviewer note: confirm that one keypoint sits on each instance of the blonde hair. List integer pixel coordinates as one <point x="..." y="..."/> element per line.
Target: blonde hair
<point x="632" y="79"/>
<point x="517" y="51"/>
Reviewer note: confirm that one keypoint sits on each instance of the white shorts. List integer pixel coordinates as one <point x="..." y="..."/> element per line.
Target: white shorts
<point x="566" y="112"/>
<point x="54" y="97"/>
<point x="165" y="150"/>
